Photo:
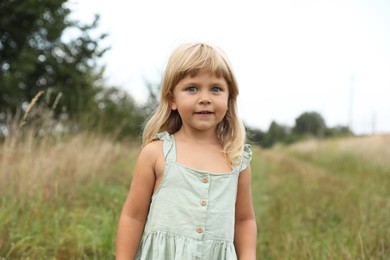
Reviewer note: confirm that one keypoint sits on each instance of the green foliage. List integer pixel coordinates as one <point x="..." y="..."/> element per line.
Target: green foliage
<point x="275" y="133"/>
<point x="34" y="57"/>
<point x="255" y="136"/>
<point x="310" y="123"/>
<point x="116" y="113"/>
<point x="42" y="50"/>
<point x="153" y="99"/>
<point x="338" y="131"/>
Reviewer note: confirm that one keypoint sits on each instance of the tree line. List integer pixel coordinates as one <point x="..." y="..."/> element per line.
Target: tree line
<point x="308" y="124"/>
<point x="37" y="55"/>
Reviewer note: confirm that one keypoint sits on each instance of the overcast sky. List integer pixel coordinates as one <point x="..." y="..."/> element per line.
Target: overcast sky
<point x="290" y="57"/>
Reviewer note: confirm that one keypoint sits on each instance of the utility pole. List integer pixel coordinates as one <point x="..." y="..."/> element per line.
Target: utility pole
<point x="351" y="99"/>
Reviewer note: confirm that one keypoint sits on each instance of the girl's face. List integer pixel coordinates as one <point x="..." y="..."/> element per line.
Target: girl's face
<point x="201" y="100"/>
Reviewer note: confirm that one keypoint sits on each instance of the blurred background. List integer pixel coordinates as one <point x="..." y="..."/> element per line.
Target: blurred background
<point x="79" y="78"/>
<point x="332" y="57"/>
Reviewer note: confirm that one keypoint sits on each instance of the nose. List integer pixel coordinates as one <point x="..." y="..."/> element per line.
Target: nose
<point x="204" y="98"/>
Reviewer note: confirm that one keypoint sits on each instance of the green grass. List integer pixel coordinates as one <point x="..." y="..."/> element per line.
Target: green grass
<point x="82" y="226"/>
<point x="324" y="204"/>
<point x="63" y="200"/>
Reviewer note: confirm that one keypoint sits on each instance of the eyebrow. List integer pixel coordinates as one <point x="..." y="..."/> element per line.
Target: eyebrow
<point x="222" y="81"/>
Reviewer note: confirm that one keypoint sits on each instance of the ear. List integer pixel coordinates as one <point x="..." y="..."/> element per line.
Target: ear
<point x="172" y="103"/>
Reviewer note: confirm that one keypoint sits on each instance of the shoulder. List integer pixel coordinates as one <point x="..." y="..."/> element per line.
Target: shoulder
<point x="152" y="150"/>
<point x="155" y="150"/>
<point x="151" y="158"/>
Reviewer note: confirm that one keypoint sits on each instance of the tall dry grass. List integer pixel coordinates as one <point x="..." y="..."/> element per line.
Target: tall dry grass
<point x="374" y="148"/>
<point x="58" y="196"/>
<point x="61" y="193"/>
<point x="50" y="168"/>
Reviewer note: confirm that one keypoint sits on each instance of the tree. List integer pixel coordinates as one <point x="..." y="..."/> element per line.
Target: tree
<point x="338" y="131"/>
<point x="34" y="57"/>
<point x="309" y="123"/>
<point x="276" y="133"/>
<point x="255" y="136"/>
<point x="153" y="97"/>
<point x="117" y="114"/>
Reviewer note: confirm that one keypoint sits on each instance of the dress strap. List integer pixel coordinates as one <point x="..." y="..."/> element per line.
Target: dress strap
<point x="246" y="157"/>
<point x="169" y="146"/>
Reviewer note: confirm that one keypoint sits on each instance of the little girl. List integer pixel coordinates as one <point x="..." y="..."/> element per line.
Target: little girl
<point x="190" y="197"/>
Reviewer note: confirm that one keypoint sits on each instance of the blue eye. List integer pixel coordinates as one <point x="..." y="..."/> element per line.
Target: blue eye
<point x="216" y="89"/>
<point x="191" y="89"/>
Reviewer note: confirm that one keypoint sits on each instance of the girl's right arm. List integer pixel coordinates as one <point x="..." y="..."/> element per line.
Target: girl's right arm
<point x="134" y="213"/>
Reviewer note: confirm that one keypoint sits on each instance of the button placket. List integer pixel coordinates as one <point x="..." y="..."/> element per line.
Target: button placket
<point x="203" y="201"/>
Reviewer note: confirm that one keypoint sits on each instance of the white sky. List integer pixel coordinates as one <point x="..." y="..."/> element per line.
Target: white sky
<point x="290" y="57"/>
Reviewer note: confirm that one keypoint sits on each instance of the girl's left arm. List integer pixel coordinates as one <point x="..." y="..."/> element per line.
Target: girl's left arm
<point x="245" y="226"/>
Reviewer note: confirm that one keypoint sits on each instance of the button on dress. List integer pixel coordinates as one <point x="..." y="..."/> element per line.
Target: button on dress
<point x="191" y="215"/>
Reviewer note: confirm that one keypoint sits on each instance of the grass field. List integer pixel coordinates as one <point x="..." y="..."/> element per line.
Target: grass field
<point x="61" y="199"/>
<point x="324" y="200"/>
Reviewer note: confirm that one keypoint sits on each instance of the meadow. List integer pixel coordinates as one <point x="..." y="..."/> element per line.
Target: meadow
<point x="318" y="199"/>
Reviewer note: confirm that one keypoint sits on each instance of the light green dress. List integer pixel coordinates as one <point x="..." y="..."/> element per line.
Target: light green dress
<point x="191" y="215"/>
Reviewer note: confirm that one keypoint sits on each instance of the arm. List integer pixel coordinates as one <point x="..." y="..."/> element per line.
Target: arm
<point x="245" y="226"/>
<point x="134" y="213"/>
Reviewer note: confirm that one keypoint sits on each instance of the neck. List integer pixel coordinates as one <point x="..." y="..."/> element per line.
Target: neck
<point x="208" y="136"/>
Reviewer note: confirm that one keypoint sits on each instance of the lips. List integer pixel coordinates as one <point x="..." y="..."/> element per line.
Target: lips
<point x="203" y="113"/>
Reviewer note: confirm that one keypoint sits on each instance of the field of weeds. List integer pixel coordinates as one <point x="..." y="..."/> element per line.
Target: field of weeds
<point x="327" y="199"/>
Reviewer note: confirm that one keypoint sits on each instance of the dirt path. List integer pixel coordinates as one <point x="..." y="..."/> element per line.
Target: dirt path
<point x="284" y="162"/>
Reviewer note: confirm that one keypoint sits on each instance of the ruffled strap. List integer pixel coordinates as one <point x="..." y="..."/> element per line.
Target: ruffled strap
<point x="246" y="157"/>
<point x="169" y="145"/>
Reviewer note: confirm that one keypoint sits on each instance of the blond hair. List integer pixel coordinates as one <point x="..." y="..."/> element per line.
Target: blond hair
<point x="189" y="59"/>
